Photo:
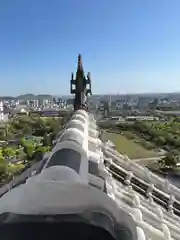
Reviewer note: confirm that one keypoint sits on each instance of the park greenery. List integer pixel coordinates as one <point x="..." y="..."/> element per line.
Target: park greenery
<point x="24" y="140"/>
<point x="154" y="135"/>
<point x="129" y="146"/>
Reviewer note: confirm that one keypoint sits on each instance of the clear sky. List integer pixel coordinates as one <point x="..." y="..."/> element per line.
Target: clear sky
<point x="129" y="46"/>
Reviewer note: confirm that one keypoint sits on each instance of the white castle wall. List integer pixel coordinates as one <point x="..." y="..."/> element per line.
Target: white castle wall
<point x="153" y="222"/>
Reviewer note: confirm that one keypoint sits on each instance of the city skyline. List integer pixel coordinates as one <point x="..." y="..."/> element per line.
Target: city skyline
<point x="129" y="47"/>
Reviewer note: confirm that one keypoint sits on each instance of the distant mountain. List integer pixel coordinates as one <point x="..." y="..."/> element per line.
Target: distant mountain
<point x="6" y="98"/>
<point x="34" y="97"/>
<point x="28" y="96"/>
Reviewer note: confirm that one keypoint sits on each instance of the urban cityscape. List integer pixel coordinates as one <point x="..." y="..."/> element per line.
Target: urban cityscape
<point x="108" y="105"/>
<point x="138" y="135"/>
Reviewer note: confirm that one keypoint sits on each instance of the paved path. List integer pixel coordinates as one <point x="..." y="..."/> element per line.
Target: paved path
<point x="146" y="161"/>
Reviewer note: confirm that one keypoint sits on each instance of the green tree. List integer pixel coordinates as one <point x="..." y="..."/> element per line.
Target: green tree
<point x="28" y="146"/>
<point x="8" y="152"/>
<point x="39" y="153"/>
<point x="14" y="169"/>
<point x="29" y="149"/>
<point x="3" y="168"/>
<point x="160" y="140"/>
<point x="2" y="134"/>
<point x="171" y="159"/>
<point x="46" y="141"/>
<point x="129" y="135"/>
<point x="27" y="130"/>
<point x="20" y="154"/>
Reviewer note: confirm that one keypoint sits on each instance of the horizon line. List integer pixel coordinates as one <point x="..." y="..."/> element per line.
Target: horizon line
<point x="95" y="94"/>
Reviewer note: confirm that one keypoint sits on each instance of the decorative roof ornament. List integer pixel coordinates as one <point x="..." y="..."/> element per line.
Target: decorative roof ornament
<point x="81" y="87"/>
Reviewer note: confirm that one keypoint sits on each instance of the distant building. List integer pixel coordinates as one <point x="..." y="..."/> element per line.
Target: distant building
<point x="120" y="103"/>
<point x="141" y="118"/>
<point x="1" y="111"/>
<point x="49" y="113"/>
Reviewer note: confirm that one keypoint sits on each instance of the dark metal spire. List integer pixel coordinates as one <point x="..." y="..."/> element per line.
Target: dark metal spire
<point x="80" y="67"/>
<point x="80" y="86"/>
<point x="80" y="71"/>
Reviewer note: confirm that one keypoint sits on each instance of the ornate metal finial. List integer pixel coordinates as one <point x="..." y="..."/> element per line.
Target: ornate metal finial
<point x="80" y="66"/>
<point x="79" y="58"/>
<point x="80" y="86"/>
<point x="89" y="75"/>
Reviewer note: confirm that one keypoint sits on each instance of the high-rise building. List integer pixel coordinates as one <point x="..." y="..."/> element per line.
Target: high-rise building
<point x="1" y="111"/>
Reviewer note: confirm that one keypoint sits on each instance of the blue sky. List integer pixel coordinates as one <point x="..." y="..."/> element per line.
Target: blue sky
<point x="129" y="46"/>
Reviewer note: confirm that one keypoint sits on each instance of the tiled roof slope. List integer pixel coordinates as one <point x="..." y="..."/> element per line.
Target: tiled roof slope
<point x="90" y="173"/>
<point x="152" y="201"/>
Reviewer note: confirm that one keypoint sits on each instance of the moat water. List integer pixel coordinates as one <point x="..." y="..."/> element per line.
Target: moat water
<point x="174" y="179"/>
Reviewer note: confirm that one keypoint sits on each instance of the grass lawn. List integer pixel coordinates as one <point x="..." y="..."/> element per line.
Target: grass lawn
<point x="131" y="149"/>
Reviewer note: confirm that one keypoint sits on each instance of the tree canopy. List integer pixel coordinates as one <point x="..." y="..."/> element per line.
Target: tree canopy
<point x="24" y="140"/>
